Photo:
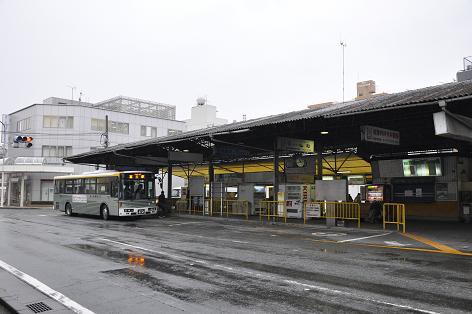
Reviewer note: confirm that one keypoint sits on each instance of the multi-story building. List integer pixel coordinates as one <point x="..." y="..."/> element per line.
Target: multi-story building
<point x="61" y="127"/>
<point x="203" y="116"/>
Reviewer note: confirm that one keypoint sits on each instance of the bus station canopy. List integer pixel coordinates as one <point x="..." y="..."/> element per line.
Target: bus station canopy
<point x="336" y="128"/>
<point x="351" y="164"/>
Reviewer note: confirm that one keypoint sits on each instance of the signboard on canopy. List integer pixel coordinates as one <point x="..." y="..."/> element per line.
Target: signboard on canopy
<point x="379" y="135"/>
<point x="184" y="156"/>
<point x="295" y="145"/>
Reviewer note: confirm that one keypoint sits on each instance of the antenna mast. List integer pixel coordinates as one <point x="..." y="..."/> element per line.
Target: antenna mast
<point x="343" y="45"/>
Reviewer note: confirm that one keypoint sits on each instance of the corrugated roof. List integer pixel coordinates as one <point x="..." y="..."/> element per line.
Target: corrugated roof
<point x="384" y="102"/>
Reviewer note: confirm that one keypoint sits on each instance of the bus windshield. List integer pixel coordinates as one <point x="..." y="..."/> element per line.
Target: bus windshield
<point x="138" y="188"/>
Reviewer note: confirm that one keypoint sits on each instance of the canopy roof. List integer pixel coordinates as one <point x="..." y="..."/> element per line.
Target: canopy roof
<point x="408" y="112"/>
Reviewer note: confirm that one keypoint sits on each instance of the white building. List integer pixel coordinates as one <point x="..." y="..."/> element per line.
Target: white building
<point x="203" y="116"/>
<point x="62" y="127"/>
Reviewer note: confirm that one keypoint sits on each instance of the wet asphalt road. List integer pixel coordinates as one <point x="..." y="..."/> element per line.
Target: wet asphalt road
<point x="182" y="264"/>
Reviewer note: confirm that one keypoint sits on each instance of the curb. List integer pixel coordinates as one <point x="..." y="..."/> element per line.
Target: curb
<point x="279" y="224"/>
<point x="7" y="307"/>
<point x="18" y="207"/>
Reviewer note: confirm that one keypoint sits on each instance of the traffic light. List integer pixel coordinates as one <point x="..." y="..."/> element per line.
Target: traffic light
<point x="27" y="140"/>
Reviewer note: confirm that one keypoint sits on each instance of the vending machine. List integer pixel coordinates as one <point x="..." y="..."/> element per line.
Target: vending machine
<point x="294" y="196"/>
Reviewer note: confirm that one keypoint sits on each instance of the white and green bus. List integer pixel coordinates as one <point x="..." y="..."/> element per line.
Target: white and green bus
<point x="106" y="193"/>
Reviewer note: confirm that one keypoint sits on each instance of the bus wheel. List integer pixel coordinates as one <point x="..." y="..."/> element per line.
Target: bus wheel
<point x="68" y="209"/>
<point x="104" y="212"/>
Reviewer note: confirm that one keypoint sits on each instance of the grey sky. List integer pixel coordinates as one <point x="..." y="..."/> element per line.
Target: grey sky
<point x="248" y="57"/>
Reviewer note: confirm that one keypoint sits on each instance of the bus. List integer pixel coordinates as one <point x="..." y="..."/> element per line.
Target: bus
<point x="106" y="194"/>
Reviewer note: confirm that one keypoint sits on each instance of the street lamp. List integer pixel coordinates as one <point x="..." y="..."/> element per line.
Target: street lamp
<point x="4" y="127"/>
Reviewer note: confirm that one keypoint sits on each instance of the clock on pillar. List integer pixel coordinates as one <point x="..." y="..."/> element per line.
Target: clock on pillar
<point x="300" y="161"/>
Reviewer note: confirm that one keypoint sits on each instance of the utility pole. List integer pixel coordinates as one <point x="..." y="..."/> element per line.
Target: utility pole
<point x="106" y="143"/>
<point x="343" y="45"/>
<point x="4" y="127"/>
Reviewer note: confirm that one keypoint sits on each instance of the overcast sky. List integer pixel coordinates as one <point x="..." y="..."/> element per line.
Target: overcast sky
<point x="247" y="57"/>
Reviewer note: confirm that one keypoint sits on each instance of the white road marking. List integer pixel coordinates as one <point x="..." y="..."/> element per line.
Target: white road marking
<point x="276" y="278"/>
<point x="38" y="285"/>
<point x="373" y="236"/>
<point x="349" y="294"/>
<point x="184" y="223"/>
<point x="329" y="234"/>
<point x="237" y="241"/>
<point x="43" y="215"/>
<point x="395" y="243"/>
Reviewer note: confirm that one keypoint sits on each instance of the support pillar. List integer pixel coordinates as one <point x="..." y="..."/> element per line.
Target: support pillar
<point x="211" y="178"/>
<point x="276" y="174"/>
<point x="169" y="182"/>
<point x="22" y="192"/>
<point x="9" y="191"/>
<point x="319" y="162"/>
<point x="2" y="200"/>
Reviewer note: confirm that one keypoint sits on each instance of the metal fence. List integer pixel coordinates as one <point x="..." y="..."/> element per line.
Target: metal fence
<point x="214" y="207"/>
<point x="273" y="209"/>
<point x="394" y="213"/>
<point x="333" y="210"/>
<point x="229" y="207"/>
<point x="181" y="206"/>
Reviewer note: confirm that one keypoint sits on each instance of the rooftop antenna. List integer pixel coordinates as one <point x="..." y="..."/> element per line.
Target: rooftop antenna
<point x="244" y="117"/>
<point x="72" y="90"/>
<point x="343" y="45"/>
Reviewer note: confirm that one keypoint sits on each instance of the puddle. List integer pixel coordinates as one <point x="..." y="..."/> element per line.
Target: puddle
<point x="153" y="283"/>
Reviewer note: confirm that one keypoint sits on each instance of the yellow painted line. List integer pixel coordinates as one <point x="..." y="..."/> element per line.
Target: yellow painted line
<point x="432" y="243"/>
<point x="393" y="247"/>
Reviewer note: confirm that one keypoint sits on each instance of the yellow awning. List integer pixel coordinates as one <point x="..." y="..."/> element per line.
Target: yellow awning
<point x="353" y="165"/>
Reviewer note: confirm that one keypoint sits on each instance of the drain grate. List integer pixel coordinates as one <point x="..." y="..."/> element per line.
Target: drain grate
<point x="38" y="307"/>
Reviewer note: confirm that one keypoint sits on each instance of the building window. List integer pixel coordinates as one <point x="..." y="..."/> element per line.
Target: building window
<point x="113" y="126"/>
<point x="148" y="131"/>
<point x="58" y="122"/>
<point x="23" y="125"/>
<point x="56" y="151"/>
<point x="173" y="132"/>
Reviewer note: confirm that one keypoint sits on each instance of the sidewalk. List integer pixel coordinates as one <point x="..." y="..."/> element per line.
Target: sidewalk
<point x="28" y="207"/>
<point x="457" y="235"/>
<point x="447" y="237"/>
<point x="16" y="296"/>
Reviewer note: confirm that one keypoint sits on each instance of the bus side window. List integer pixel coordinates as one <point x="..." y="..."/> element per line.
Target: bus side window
<point x="103" y="186"/>
<point x="69" y="186"/>
<point x="115" y="187"/>
<point x="61" y="186"/>
<point x="77" y="184"/>
<point x="82" y="186"/>
<point x="90" y="186"/>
